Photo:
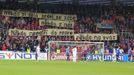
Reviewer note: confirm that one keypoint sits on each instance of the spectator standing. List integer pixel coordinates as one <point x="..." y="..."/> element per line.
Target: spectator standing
<point x="4" y="48"/>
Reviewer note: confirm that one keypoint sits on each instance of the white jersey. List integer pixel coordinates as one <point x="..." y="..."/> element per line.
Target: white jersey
<point x="74" y="51"/>
<point x="114" y="51"/>
<point x="38" y="49"/>
<point x="121" y="51"/>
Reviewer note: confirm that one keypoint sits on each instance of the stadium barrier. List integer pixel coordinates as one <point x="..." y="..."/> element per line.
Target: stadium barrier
<point x="10" y="55"/>
<point x="62" y="56"/>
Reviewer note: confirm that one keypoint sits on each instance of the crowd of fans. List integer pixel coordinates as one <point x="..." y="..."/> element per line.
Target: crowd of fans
<point x="104" y="19"/>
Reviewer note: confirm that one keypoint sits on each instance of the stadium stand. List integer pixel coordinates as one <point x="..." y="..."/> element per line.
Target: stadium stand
<point x="91" y="19"/>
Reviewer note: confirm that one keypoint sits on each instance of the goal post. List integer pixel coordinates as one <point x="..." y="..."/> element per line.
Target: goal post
<point x="57" y="49"/>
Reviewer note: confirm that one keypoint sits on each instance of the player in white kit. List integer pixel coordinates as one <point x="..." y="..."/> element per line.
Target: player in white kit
<point x="74" y="50"/>
<point x="37" y="52"/>
<point x="114" y="55"/>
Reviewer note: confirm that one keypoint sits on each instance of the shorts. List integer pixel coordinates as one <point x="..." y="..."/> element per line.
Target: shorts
<point x="85" y="55"/>
<point x="129" y="55"/>
<point x="117" y="55"/>
<point x="132" y="55"/>
<point x="67" y="54"/>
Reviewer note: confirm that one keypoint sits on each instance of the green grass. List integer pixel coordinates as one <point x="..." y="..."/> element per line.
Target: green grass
<point x="10" y="67"/>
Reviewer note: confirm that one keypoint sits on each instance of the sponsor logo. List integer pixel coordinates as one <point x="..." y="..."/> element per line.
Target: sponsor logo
<point x="9" y="55"/>
<point x="106" y="57"/>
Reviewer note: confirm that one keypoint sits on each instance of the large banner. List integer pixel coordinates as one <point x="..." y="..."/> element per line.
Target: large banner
<point x="57" y="23"/>
<point x="52" y="32"/>
<point x="49" y="16"/>
<point x="98" y="37"/>
<point x="63" y="32"/>
<point x="10" y="55"/>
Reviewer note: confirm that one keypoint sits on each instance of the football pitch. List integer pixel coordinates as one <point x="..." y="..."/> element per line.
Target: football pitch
<point x="16" y="67"/>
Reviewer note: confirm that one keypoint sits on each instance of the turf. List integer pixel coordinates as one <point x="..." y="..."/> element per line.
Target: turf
<point x="15" y="67"/>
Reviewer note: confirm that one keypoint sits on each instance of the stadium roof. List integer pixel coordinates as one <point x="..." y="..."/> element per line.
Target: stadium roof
<point x="81" y="2"/>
